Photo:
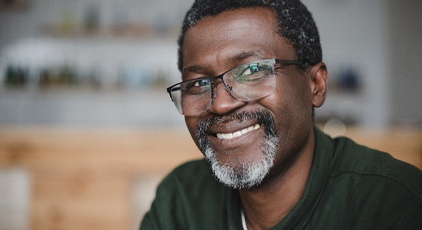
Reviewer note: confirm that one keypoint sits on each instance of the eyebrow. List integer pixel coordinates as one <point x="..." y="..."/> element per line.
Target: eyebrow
<point x="247" y="54"/>
<point x="192" y="69"/>
<point x="235" y="59"/>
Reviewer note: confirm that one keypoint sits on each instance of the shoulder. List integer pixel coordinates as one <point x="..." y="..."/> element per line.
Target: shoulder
<point x="382" y="191"/>
<point x="189" y="172"/>
<point x="352" y="158"/>
<point x="193" y="180"/>
<point x="182" y="197"/>
<point x="389" y="188"/>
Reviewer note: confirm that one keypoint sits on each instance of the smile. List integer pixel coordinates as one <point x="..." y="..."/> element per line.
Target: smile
<point x="227" y="136"/>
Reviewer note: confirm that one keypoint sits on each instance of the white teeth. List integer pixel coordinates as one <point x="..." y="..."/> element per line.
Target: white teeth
<point x="227" y="136"/>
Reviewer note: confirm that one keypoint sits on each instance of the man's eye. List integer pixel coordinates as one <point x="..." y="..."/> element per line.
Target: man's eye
<point x="252" y="69"/>
<point x="252" y="72"/>
<point x="200" y="83"/>
<point x="197" y="86"/>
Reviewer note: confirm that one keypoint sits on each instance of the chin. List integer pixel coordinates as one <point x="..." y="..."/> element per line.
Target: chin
<point x="243" y="174"/>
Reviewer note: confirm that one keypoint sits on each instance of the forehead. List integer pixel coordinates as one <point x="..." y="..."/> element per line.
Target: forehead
<point x="228" y="35"/>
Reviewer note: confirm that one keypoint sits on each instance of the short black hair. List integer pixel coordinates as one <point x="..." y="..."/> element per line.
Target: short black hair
<point x="295" y="23"/>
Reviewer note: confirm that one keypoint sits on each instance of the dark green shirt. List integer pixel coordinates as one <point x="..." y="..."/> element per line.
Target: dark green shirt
<point x="349" y="187"/>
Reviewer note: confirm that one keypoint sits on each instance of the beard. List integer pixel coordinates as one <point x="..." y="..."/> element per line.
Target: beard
<point x="243" y="174"/>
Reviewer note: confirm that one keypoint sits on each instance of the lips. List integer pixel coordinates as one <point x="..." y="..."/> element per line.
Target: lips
<point x="227" y="136"/>
<point x="233" y="130"/>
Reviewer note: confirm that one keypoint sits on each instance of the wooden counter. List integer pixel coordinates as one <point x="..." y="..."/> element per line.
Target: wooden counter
<point x="85" y="178"/>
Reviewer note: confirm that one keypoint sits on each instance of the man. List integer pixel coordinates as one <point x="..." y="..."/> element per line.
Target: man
<point x="252" y="74"/>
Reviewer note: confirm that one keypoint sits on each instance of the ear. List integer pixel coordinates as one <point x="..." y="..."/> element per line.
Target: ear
<point x="318" y="74"/>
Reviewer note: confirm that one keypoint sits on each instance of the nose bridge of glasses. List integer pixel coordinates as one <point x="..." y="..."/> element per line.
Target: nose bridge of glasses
<point x="220" y="81"/>
<point x="222" y="98"/>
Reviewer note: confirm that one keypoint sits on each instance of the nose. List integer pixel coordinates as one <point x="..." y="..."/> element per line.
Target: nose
<point x="223" y="102"/>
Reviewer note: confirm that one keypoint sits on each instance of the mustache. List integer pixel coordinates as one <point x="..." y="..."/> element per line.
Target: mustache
<point x="263" y="117"/>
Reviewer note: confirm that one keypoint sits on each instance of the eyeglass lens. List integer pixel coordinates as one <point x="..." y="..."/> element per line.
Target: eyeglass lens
<point x="245" y="83"/>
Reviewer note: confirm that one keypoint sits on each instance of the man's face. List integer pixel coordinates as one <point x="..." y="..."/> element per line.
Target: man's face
<point x="247" y="142"/>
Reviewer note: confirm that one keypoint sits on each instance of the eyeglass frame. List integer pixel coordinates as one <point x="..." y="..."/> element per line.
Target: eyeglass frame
<point x="227" y="86"/>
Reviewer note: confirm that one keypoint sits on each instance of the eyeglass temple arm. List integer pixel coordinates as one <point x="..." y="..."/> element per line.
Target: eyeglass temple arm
<point x="288" y="62"/>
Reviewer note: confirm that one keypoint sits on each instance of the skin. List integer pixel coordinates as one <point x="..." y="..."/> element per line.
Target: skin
<point x="218" y="43"/>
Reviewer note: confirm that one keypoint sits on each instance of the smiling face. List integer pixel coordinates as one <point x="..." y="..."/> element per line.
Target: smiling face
<point x="248" y="142"/>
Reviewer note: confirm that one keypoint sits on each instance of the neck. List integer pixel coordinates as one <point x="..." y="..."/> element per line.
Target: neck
<point x="266" y="205"/>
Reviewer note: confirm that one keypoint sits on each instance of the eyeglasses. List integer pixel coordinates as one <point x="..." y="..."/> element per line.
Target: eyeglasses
<point x="246" y="82"/>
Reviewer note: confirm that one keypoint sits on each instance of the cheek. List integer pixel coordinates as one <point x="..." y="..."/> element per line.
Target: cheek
<point x="292" y="109"/>
<point x="292" y="102"/>
<point x="192" y="125"/>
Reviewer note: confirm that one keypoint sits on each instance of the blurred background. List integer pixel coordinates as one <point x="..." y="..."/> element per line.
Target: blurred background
<point x="87" y="129"/>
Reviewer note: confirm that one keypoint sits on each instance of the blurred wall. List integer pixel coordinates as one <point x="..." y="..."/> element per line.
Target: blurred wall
<point x="405" y="29"/>
<point x="371" y="48"/>
<point x="354" y="39"/>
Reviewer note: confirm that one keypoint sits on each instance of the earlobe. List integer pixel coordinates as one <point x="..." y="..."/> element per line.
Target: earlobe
<point x="319" y="77"/>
